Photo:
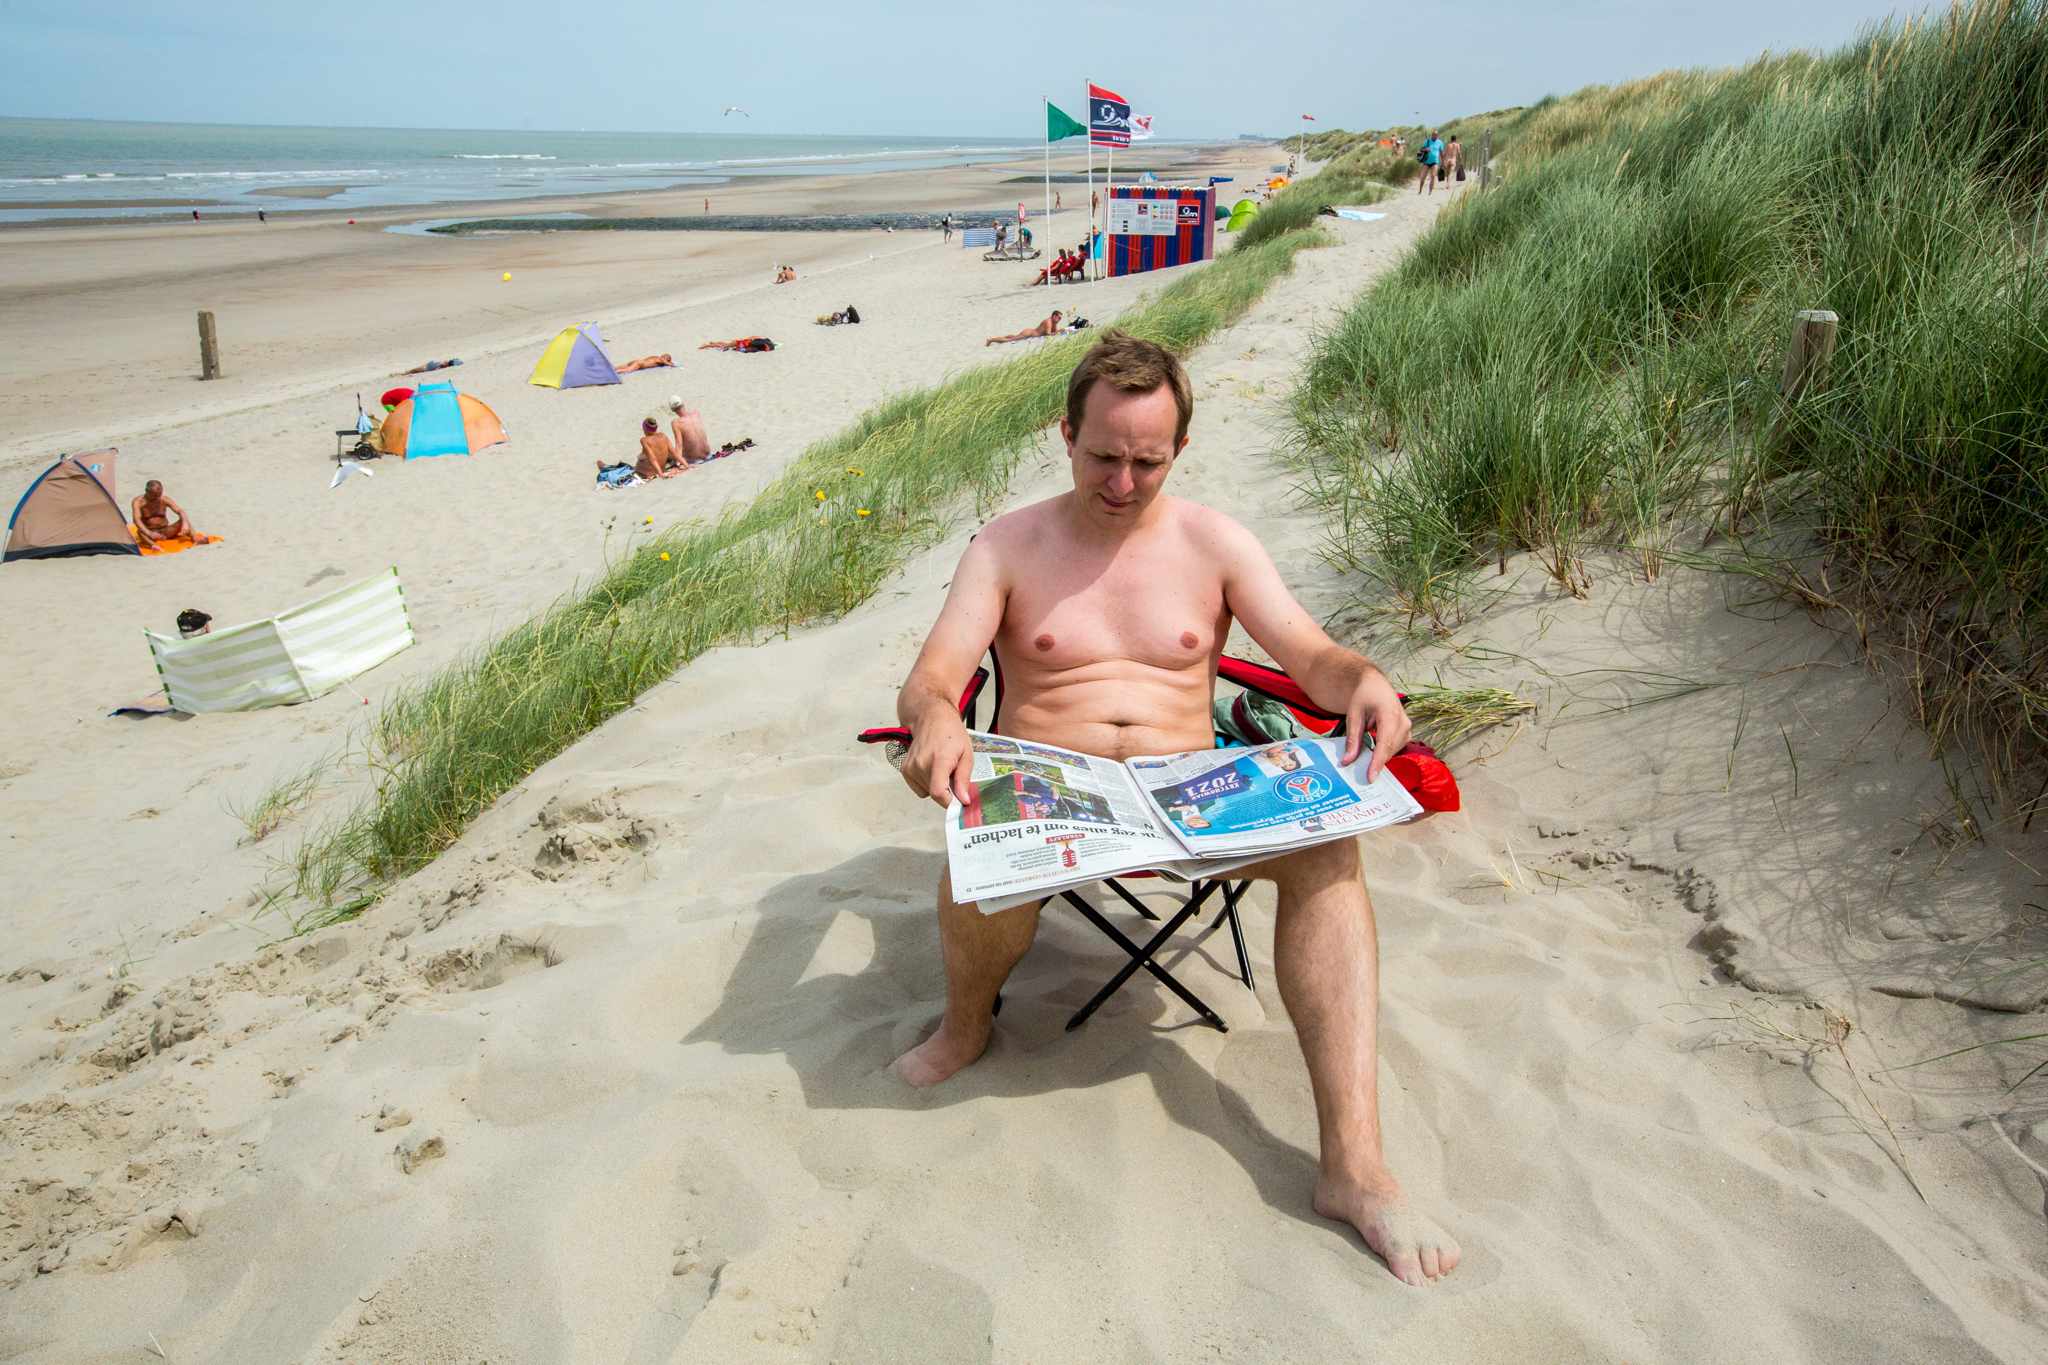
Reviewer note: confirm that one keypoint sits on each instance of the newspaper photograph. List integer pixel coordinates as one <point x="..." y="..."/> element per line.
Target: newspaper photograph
<point x="1043" y="817"/>
<point x="1288" y="794"/>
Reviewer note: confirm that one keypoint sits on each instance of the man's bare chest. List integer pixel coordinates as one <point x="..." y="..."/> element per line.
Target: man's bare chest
<point x="1145" y="611"/>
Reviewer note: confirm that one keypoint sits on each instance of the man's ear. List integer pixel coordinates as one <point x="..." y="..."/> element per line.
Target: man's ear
<point x="1067" y="435"/>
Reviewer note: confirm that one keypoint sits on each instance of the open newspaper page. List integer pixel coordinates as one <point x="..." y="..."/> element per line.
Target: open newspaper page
<point x="1224" y="803"/>
<point x="1045" y="818"/>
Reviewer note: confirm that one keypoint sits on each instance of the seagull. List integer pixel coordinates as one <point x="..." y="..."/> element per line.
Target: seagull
<point x="735" y="109"/>
<point x="346" y="468"/>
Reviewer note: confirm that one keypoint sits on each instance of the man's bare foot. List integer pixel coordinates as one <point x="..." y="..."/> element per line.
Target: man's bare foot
<point x="938" y="1057"/>
<point x="1414" y="1248"/>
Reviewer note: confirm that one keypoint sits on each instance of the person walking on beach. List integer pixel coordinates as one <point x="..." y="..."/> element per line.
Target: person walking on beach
<point x="1110" y="604"/>
<point x="1055" y="201"/>
<point x="946" y="226"/>
<point x="1454" y="159"/>
<point x="1432" y="155"/>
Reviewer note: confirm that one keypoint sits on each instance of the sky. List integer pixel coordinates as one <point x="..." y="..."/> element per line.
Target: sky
<point x="1201" y="68"/>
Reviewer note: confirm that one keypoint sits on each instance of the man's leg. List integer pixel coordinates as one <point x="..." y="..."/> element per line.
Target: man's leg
<point x="979" y="952"/>
<point x="1326" y="955"/>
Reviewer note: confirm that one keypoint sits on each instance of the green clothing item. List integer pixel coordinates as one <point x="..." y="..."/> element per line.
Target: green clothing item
<point x="1251" y="719"/>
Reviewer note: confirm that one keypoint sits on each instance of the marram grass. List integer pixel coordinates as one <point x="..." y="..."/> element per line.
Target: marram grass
<point x="1588" y="357"/>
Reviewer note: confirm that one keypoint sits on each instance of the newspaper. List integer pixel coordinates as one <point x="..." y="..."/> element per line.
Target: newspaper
<point x="1045" y="819"/>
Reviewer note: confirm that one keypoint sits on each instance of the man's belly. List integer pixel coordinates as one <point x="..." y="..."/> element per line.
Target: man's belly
<point x="1115" y="711"/>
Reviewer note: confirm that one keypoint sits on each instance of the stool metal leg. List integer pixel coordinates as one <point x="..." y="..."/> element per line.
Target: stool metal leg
<point x="1142" y="957"/>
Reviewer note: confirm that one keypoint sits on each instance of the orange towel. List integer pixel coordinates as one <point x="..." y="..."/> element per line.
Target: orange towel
<point x="172" y="546"/>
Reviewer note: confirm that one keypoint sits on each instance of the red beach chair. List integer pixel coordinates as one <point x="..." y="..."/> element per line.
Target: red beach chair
<point x="1420" y="770"/>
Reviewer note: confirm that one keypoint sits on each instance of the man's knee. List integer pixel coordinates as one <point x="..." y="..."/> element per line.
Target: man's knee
<point x="1318" y="865"/>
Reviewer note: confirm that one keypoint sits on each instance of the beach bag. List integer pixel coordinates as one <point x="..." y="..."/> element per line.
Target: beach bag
<point x="1423" y="156"/>
<point x="616" y="476"/>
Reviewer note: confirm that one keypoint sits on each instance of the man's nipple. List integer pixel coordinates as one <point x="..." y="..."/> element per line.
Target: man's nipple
<point x="1188" y="639"/>
<point x="1044" y="642"/>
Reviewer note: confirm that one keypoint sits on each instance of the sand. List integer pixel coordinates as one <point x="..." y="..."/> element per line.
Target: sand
<point x="609" y="1080"/>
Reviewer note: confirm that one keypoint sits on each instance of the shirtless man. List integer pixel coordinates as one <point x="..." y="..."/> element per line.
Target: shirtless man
<point x="1110" y="605"/>
<point x="153" y="515"/>
<point x="688" y="428"/>
<point x="648" y="362"/>
<point x="1044" y="329"/>
<point x="658" y="458"/>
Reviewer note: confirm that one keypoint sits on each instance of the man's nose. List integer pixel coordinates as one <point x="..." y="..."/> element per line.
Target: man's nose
<point x="1122" y="481"/>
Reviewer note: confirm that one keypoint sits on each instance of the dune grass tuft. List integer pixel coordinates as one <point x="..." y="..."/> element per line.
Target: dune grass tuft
<point x="1589" y="356"/>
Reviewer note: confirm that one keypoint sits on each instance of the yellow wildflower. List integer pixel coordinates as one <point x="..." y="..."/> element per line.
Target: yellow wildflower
<point x="664" y="556"/>
<point x="862" y="512"/>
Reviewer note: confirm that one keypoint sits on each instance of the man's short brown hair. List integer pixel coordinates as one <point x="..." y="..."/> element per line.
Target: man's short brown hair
<point x="1130" y="365"/>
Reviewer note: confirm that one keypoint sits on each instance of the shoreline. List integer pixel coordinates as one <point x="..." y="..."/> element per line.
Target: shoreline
<point x="679" y="183"/>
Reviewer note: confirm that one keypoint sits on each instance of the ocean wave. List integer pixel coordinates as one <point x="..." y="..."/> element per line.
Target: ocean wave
<point x="501" y="156"/>
<point x="865" y="156"/>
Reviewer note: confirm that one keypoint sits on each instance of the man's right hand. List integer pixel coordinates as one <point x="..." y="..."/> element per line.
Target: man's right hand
<point x="940" y="764"/>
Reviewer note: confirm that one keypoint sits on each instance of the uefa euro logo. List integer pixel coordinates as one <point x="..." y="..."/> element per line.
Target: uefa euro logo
<point x="1302" y="789"/>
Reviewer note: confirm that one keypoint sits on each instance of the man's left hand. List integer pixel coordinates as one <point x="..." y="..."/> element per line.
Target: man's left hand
<point x="1374" y="708"/>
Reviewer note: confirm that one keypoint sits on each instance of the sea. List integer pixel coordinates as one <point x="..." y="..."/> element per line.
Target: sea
<point x="56" y="169"/>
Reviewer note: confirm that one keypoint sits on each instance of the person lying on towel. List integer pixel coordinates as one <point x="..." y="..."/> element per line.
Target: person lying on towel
<point x="658" y="456"/>
<point x="648" y="362"/>
<point x="431" y="366"/>
<point x="156" y="517"/>
<point x="739" y="344"/>
<point x="1109" y="605"/>
<point x="1044" y="329"/>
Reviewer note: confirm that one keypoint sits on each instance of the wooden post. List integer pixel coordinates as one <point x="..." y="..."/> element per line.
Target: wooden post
<point x="1485" y="158"/>
<point x="1806" y="360"/>
<point x="209" y="348"/>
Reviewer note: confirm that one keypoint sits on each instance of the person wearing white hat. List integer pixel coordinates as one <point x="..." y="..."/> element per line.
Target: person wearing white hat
<point x="688" y="427"/>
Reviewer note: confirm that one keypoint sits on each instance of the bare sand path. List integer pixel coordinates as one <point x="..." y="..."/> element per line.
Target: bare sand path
<point x="609" y="1080"/>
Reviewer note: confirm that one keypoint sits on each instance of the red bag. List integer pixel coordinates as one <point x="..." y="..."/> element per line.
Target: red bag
<point x="1427" y="778"/>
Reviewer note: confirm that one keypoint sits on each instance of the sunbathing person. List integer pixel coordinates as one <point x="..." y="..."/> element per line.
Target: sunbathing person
<point x="658" y="457"/>
<point x="431" y="366"/>
<point x="1110" y="605"/>
<point x="739" y="344"/>
<point x="1044" y="329"/>
<point x="784" y="274"/>
<point x="688" y="428"/>
<point x="1057" y="270"/>
<point x="648" y="362"/>
<point x="157" y="517"/>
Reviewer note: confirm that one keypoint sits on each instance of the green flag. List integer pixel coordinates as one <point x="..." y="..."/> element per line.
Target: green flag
<point x="1058" y="125"/>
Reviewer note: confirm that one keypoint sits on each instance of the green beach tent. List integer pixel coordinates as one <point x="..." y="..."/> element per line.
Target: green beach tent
<point x="1241" y="215"/>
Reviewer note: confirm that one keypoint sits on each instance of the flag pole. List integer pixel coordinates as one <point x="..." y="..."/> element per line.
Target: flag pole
<point x="1048" y="180"/>
<point x="1087" y="89"/>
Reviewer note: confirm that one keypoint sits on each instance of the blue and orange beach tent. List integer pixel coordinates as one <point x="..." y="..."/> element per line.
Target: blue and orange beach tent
<point x="437" y="420"/>
<point x="575" y="357"/>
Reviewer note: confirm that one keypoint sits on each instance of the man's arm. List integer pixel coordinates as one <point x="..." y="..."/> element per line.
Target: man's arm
<point x="184" y="522"/>
<point x="941" y="758"/>
<point x="1337" y="679"/>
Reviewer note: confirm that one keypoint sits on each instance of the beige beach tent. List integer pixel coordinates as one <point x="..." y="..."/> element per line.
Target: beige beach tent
<point x="70" y="510"/>
<point x="292" y="657"/>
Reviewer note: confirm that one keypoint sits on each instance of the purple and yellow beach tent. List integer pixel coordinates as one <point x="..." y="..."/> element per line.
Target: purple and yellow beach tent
<point x="575" y="357"/>
<point x="437" y="420"/>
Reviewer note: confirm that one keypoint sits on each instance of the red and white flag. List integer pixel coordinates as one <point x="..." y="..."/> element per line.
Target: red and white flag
<point x="1310" y="117"/>
<point x="1141" y="127"/>
<point x="1109" y="118"/>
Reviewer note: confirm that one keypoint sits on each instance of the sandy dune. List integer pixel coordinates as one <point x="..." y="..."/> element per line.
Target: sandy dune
<point x="609" y="1082"/>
